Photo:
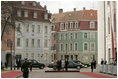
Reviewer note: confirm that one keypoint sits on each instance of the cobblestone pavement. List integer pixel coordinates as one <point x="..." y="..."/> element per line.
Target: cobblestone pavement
<point x="40" y="73"/>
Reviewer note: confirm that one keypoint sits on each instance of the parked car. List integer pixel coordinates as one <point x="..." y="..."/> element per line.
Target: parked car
<point x="81" y="63"/>
<point x="71" y="64"/>
<point x="34" y="63"/>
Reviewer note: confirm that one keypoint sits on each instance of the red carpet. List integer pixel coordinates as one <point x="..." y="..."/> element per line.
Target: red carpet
<point x="12" y="74"/>
<point x="94" y="75"/>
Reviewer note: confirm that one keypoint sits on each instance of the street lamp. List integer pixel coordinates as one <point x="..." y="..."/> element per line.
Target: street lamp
<point x="11" y="52"/>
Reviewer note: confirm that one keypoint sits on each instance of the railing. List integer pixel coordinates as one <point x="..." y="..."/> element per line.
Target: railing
<point x="108" y="69"/>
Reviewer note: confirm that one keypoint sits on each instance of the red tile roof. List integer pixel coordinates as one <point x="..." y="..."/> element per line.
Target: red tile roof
<point x="74" y="16"/>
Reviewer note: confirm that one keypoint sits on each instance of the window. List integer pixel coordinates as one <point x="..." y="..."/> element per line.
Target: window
<point x="92" y="46"/>
<point x="38" y="55"/>
<point x="92" y="36"/>
<point x="54" y="46"/>
<point x="61" y="36"/>
<point x="61" y="26"/>
<point x="27" y="42"/>
<point x="76" y="47"/>
<point x="38" y="30"/>
<point x="18" y="42"/>
<point x="46" y="16"/>
<point x="76" y="25"/>
<point x="32" y="43"/>
<point x="61" y="47"/>
<point x="18" y="27"/>
<point x="66" y="47"/>
<point x="26" y="55"/>
<point x="71" y="46"/>
<point x="75" y="35"/>
<point x="85" y="36"/>
<point x="9" y="43"/>
<point x="108" y="25"/>
<point x="38" y="42"/>
<point x="92" y="25"/>
<point x="71" y="25"/>
<point x="85" y="46"/>
<point x="46" y="43"/>
<point x="34" y="4"/>
<point x="54" y="36"/>
<point x="19" y="13"/>
<point x="46" y="30"/>
<point x="23" y="2"/>
<point x="25" y="13"/>
<point x="9" y="30"/>
<point x="33" y="27"/>
<point x="71" y="57"/>
<point x="27" y="28"/>
<point x="66" y="25"/>
<point x="32" y="56"/>
<point x="35" y="15"/>
<point x="71" y="36"/>
<point x="61" y="57"/>
<point x="66" y="36"/>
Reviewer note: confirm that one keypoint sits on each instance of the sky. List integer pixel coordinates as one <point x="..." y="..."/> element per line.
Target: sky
<point x="54" y="6"/>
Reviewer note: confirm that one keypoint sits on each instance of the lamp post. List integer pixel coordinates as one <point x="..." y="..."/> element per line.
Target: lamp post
<point x="11" y="53"/>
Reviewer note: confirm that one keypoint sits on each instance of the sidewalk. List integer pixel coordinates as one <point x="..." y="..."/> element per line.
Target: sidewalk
<point x="11" y="74"/>
<point x="95" y="71"/>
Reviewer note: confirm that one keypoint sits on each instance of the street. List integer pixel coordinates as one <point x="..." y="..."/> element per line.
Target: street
<point x="40" y="73"/>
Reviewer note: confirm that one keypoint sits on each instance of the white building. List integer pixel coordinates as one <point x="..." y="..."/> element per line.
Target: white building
<point x="107" y="23"/>
<point x="33" y="34"/>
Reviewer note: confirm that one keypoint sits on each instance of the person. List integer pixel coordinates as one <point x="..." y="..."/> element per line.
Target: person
<point x="92" y="66"/>
<point x="24" y="68"/>
<point x="58" y="65"/>
<point x="102" y="62"/>
<point x="66" y="64"/>
<point x="95" y="64"/>
<point x="6" y="65"/>
<point x="105" y="62"/>
<point x="63" y="64"/>
<point x="30" y="66"/>
<point x="55" y="65"/>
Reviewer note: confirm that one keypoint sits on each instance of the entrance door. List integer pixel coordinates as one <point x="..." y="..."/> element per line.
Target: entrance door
<point x="8" y="59"/>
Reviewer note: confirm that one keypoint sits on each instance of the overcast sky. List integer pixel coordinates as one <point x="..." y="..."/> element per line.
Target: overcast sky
<point x="53" y="6"/>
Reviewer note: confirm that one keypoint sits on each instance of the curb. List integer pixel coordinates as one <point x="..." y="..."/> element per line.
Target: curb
<point x="19" y="76"/>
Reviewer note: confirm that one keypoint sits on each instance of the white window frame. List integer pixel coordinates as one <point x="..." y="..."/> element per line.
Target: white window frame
<point x="46" y="29"/>
<point x="39" y="29"/>
<point x="87" y="46"/>
<point x="33" y="28"/>
<point x="19" y="42"/>
<point x="38" y="43"/>
<point x="61" y="47"/>
<point x="27" y="27"/>
<point x="71" y="25"/>
<point x="46" y="43"/>
<point x="61" y="26"/>
<point x="84" y="34"/>
<point x="19" y="13"/>
<point x="32" y="42"/>
<point x="46" y="16"/>
<point x="27" y="42"/>
<point x="91" y="45"/>
<point x="76" y="25"/>
<point x="92" y="27"/>
<point x="25" y="13"/>
<point x="92" y="35"/>
<point x="66" y="25"/>
<point x="34" y="4"/>
<point x="75" y="47"/>
<point x="35" y="14"/>
<point x="75" y="35"/>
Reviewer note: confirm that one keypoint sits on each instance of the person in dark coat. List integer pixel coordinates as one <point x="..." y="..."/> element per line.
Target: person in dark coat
<point x="6" y="65"/>
<point x="92" y="66"/>
<point x="66" y="64"/>
<point x="58" y="65"/>
<point x="102" y="62"/>
<point x="30" y="66"/>
<point x="95" y="64"/>
<point x="24" y="69"/>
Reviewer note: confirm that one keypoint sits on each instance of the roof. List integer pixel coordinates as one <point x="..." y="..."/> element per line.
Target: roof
<point x="74" y="16"/>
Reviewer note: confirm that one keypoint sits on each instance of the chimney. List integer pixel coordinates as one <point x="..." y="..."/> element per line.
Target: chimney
<point x="84" y="8"/>
<point x="60" y="10"/>
<point x="39" y="3"/>
<point x="45" y="6"/>
<point x="74" y="9"/>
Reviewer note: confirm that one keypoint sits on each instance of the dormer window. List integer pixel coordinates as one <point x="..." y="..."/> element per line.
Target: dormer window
<point x="76" y="25"/>
<point x="19" y="13"/>
<point x="35" y="15"/>
<point x="34" y="4"/>
<point x="46" y="16"/>
<point x="25" y="13"/>
<point x="23" y="2"/>
<point x="62" y="26"/>
<point x="92" y="25"/>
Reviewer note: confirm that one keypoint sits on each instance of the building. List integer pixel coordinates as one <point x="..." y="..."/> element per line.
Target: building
<point x="76" y="35"/>
<point x="33" y="32"/>
<point x="7" y="34"/>
<point x="107" y="33"/>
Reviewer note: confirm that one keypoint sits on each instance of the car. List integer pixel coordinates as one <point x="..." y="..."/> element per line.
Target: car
<point x="71" y="64"/>
<point x="34" y="63"/>
<point x="81" y="63"/>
